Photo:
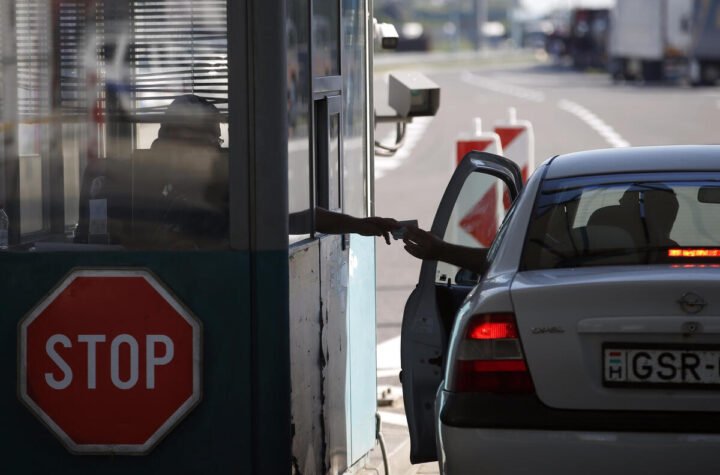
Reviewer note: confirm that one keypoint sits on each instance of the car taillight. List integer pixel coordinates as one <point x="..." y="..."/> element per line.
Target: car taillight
<point x="490" y="357"/>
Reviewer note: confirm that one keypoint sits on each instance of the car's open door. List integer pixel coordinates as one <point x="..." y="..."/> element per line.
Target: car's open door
<point x="471" y="210"/>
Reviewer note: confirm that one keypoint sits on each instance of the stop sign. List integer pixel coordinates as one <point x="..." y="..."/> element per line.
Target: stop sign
<point x="110" y="361"/>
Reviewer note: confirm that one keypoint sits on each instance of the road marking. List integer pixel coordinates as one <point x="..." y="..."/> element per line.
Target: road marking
<point x="388" y="373"/>
<point x="595" y="122"/>
<point x="414" y="132"/>
<point x="502" y="87"/>
<point x="396" y="450"/>
<point x="393" y="418"/>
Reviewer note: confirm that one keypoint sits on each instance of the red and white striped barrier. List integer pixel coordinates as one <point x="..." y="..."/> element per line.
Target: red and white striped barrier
<point x="479" y="208"/>
<point x="518" y="142"/>
<point x="482" y="141"/>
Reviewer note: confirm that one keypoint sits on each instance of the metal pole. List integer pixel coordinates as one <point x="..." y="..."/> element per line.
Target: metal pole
<point x="480" y="17"/>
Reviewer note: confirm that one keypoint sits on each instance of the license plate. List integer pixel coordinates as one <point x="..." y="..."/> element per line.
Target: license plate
<point x="658" y="366"/>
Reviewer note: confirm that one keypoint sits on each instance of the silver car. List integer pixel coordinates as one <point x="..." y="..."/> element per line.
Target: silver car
<point x="590" y="343"/>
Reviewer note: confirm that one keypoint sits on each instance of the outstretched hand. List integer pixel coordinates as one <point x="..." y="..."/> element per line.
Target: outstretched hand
<point x="422" y="244"/>
<point x="330" y="222"/>
<point x="376" y="226"/>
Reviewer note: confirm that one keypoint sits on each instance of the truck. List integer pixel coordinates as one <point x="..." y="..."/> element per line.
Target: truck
<point x="650" y="39"/>
<point x="588" y="37"/>
<point x="704" y="53"/>
<point x="578" y="37"/>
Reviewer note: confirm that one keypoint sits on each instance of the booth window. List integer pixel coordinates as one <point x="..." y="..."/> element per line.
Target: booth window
<point x="114" y="118"/>
<point x="329" y="181"/>
<point x="297" y="34"/>
<point x="326" y="38"/>
<point x="355" y="111"/>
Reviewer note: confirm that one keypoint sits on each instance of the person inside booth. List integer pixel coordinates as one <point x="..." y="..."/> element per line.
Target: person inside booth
<point x="182" y="190"/>
<point x="181" y="183"/>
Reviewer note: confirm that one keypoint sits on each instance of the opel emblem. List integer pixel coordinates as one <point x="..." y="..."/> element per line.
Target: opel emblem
<point x="692" y="303"/>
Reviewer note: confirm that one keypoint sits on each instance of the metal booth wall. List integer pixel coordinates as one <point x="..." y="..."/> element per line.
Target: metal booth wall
<point x="332" y="278"/>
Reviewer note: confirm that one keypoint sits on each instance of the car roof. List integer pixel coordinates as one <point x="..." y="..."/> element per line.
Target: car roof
<point x="635" y="159"/>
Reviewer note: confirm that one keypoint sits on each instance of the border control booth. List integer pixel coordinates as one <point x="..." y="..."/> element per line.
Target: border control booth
<point x="158" y="309"/>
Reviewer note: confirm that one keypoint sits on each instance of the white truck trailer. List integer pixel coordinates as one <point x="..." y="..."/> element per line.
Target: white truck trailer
<point x="704" y="54"/>
<point x="650" y="39"/>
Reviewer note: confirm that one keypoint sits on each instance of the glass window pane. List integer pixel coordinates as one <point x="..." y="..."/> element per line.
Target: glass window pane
<point x="119" y="110"/>
<point x="298" y="99"/>
<point x="355" y="109"/>
<point x="614" y="220"/>
<point x="479" y="210"/>
<point x="326" y="37"/>
<point x="334" y="164"/>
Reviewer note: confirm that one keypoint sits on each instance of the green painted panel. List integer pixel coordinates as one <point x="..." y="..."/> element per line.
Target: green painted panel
<point x="217" y="436"/>
<point x="271" y="357"/>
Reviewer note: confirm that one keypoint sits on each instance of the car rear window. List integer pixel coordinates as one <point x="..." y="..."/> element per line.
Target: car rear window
<point x="625" y="219"/>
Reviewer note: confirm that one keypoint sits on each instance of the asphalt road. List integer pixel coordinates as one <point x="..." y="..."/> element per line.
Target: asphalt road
<point x="570" y="111"/>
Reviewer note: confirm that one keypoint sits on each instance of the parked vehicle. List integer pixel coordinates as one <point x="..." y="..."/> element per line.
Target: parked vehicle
<point x="590" y="343"/>
<point x="705" y="48"/>
<point x="650" y="39"/>
<point x="588" y="37"/>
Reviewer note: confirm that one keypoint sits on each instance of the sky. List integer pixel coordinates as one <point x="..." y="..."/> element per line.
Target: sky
<point x="539" y="6"/>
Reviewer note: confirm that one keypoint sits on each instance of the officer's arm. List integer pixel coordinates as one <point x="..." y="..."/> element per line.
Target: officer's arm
<point x="329" y="222"/>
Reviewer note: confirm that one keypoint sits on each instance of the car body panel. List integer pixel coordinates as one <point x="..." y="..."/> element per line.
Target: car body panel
<point x="527" y="412"/>
<point x="492" y="295"/>
<point x="565" y="316"/>
<point x="636" y="159"/>
<point x="538" y="452"/>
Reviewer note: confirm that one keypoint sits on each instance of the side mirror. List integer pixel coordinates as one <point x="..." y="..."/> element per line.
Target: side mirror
<point x="466" y="277"/>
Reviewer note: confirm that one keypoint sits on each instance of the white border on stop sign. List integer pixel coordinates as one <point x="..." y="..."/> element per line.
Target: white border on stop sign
<point x="172" y="421"/>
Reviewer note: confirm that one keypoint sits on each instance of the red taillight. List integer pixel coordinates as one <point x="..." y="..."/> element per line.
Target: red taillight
<point x="490" y="358"/>
<point x="493" y="327"/>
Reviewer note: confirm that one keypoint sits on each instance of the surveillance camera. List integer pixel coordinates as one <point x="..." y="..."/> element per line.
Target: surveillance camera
<point x="413" y="95"/>
<point x="386" y="36"/>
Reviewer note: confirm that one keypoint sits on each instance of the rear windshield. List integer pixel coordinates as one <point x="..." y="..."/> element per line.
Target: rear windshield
<point x="625" y="220"/>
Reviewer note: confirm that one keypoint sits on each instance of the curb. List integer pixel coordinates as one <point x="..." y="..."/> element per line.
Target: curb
<point x="384" y="62"/>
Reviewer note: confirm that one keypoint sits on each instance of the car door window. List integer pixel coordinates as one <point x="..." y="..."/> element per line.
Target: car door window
<point x="477" y="214"/>
<point x="492" y="252"/>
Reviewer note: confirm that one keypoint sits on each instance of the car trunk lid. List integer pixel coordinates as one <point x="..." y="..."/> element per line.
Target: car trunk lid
<point x="577" y="324"/>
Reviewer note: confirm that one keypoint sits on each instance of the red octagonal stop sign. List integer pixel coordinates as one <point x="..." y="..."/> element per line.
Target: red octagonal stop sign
<point x="110" y="361"/>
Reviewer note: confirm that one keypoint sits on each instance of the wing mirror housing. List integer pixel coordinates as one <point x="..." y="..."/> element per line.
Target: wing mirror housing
<point x="467" y="277"/>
